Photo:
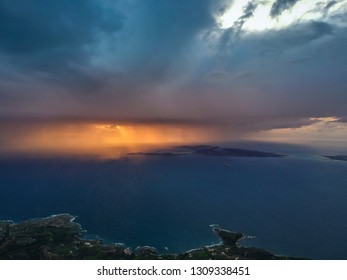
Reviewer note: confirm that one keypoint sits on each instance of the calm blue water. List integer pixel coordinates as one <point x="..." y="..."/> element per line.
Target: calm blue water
<point x="295" y="206"/>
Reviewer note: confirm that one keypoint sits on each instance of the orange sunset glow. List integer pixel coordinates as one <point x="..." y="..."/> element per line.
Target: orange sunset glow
<point x="94" y="138"/>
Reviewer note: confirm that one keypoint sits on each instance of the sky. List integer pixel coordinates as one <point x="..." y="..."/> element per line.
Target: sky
<point x="170" y="70"/>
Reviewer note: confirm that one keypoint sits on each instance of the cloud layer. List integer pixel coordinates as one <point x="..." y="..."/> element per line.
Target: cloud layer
<point x="183" y="61"/>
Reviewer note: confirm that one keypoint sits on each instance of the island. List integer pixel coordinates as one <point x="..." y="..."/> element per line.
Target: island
<point x="206" y="150"/>
<point x="59" y="237"/>
<point x="338" y="157"/>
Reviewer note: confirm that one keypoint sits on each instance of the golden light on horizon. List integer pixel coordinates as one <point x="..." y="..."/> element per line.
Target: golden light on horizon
<point x="94" y="138"/>
<point x="116" y="139"/>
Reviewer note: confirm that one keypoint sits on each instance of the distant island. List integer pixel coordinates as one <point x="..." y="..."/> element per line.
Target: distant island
<point x="207" y="150"/>
<point x="59" y="237"/>
<point x="338" y="157"/>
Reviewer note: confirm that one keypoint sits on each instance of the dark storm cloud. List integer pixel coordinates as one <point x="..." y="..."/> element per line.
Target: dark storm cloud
<point x="57" y="40"/>
<point x="281" y="5"/>
<point x="161" y="35"/>
<point x="271" y="46"/>
<point x="167" y="62"/>
<point x="54" y="52"/>
<point x="54" y="39"/>
<point x="298" y="35"/>
<point x="42" y="27"/>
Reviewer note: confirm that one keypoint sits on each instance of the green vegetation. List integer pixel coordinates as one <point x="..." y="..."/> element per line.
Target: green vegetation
<point x="59" y="237"/>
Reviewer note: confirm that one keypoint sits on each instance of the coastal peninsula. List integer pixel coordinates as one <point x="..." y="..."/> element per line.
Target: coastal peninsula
<point x="59" y="237"/>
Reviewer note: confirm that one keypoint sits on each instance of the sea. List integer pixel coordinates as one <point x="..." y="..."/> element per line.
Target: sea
<point x="296" y="205"/>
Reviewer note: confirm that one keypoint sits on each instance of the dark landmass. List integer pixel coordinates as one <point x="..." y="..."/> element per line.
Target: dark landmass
<point x="59" y="237"/>
<point x="338" y="157"/>
<point x="161" y="154"/>
<point x="206" y="150"/>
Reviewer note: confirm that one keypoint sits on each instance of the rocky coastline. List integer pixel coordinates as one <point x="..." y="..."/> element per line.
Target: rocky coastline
<point x="59" y="237"/>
